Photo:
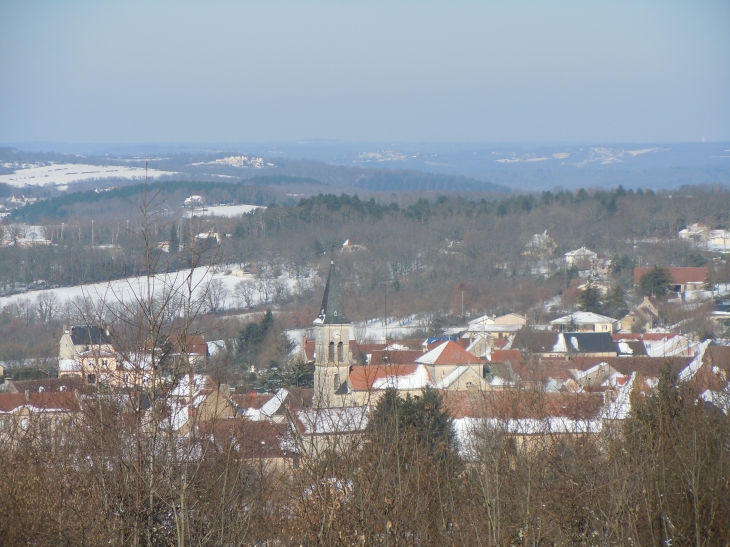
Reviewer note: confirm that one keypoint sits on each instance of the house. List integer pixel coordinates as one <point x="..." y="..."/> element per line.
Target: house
<point x="719" y="241"/>
<point x="696" y="234"/>
<point x="564" y="344"/>
<point x="86" y="351"/>
<point x="367" y="383"/>
<point x="330" y="429"/>
<point x="540" y="247"/>
<point x="196" y="399"/>
<point x="496" y="327"/>
<point x="584" y="321"/>
<point x="270" y="446"/>
<point x="596" y="376"/>
<point x="272" y="407"/>
<point x="37" y="414"/>
<point x="191" y="348"/>
<point x="68" y="383"/>
<point x="194" y="201"/>
<point x="645" y="315"/>
<point x="526" y="418"/>
<point x="683" y="279"/>
<point x="351" y="244"/>
<point x="507" y="319"/>
<point x="580" y="256"/>
<point x="452" y="367"/>
<point x="588" y="344"/>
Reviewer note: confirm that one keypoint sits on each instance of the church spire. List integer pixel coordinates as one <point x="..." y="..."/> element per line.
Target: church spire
<point x="332" y="311"/>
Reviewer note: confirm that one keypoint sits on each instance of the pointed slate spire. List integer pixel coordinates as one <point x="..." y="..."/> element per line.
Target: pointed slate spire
<point x="332" y="311"/>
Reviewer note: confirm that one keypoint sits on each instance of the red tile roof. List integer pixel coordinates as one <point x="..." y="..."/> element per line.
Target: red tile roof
<point x="261" y="439"/>
<point x="195" y="344"/>
<point x="646" y="366"/>
<point x="397" y="357"/>
<point x="47" y="401"/>
<point x="680" y="276"/>
<point x="449" y="353"/>
<point x="363" y="377"/>
<point x="251" y="400"/>
<point x="521" y="404"/>
<point x="502" y="355"/>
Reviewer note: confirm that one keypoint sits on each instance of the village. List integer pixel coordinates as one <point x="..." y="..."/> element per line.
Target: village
<point x="585" y="367"/>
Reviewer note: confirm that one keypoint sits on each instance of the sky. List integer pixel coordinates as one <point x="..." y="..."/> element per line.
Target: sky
<point x="398" y="71"/>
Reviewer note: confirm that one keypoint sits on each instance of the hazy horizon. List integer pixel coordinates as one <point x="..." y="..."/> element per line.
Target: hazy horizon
<point x="286" y="72"/>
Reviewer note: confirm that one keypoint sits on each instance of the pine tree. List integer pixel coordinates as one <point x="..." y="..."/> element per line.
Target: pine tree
<point x="656" y="282"/>
<point x="590" y="299"/>
<point x="615" y="304"/>
<point x="174" y="239"/>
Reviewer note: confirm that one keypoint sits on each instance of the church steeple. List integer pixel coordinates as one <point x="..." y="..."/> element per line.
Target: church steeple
<point x="332" y="347"/>
<point x="332" y="312"/>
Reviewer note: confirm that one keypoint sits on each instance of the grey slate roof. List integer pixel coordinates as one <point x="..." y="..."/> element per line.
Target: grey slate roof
<point x="87" y="336"/>
<point x="589" y="342"/>
<point x="332" y="312"/>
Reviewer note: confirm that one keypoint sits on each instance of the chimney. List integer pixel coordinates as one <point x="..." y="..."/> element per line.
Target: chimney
<point x="27" y="396"/>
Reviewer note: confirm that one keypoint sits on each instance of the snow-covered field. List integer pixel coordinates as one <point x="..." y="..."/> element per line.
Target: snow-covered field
<point x="224" y="210"/>
<point x="62" y="174"/>
<point x="127" y="291"/>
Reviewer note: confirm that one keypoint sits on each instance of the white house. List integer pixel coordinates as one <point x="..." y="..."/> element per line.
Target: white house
<point x="585" y="321"/>
<point x="580" y="255"/>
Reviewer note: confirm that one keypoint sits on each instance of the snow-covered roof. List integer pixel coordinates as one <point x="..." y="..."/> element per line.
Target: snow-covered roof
<point x="492" y="327"/>
<point x="323" y="421"/>
<point x="620" y="407"/>
<point x="418" y="379"/>
<point x="215" y="346"/>
<point x="448" y="353"/>
<point x="452" y="377"/>
<point x="200" y="381"/>
<point x="690" y="370"/>
<point x="69" y="365"/>
<point x="582" y="318"/>
<point x="582" y="252"/>
<point x="269" y="408"/>
<point x="469" y="431"/>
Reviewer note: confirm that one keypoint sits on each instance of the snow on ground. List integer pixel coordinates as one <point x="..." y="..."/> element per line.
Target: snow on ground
<point x="224" y="210"/>
<point x="126" y="290"/>
<point x="66" y="173"/>
<point x="376" y="329"/>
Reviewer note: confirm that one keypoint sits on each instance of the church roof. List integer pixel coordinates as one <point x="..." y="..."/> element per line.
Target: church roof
<point x="332" y="312"/>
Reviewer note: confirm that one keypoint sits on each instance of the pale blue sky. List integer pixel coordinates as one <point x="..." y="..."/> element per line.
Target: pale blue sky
<point x="225" y="71"/>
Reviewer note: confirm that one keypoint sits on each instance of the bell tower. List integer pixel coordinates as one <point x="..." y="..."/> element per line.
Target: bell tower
<point x="332" y="347"/>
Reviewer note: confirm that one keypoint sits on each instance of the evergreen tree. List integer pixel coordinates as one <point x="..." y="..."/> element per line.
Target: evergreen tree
<point x="621" y="264"/>
<point x="615" y="304"/>
<point x="590" y="299"/>
<point x="174" y="239"/>
<point x="656" y="282"/>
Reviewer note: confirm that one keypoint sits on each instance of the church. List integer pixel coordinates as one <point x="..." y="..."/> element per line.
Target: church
<point x="339" y="380"/>
<point x="332" y="343"/>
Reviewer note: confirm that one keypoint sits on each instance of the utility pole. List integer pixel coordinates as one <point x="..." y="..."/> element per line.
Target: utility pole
<point x="92" y="233"/>
<point x="462" y="304"/>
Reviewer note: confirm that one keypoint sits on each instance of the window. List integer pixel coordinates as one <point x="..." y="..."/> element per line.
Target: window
<point x="104" y="363"/>
<point x="331" y="352"/>
<point x="340" y="352"/>
<point x="91" y="378"/>
<point x="337" y="382"/>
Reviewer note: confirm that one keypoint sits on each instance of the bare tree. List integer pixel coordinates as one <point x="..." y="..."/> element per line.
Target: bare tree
<point x="216" y="295"/>
<point x="47" y="305"/>
<point x="243" y="293"/>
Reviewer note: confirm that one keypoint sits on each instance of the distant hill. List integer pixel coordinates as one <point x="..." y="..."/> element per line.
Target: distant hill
<point x="390" y="181"/>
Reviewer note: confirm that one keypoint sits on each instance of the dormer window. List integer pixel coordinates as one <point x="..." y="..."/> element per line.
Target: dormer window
<point x="335" y="314"/>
